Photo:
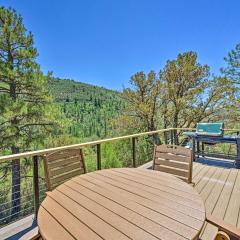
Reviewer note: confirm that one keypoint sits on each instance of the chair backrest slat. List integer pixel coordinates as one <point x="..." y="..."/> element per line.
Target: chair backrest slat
<point x="176" y="160"/>
<point x="63" y="165"/>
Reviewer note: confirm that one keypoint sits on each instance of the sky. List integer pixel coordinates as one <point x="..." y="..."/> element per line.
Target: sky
<point x="104" y="42"/>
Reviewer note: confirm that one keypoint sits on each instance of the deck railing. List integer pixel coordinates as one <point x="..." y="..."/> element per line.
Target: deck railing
<point x="15" y="204"/>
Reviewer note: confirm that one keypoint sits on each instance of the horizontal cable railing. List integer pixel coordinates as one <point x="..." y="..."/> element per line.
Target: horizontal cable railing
<point x="17" y="190"/>
<point x="22" y="178"/>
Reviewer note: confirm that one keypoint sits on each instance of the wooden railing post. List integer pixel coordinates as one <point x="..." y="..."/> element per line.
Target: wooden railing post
<point x="134" y="151"/>
<point x="35" y="184"/>
<point x="99" y="157"/>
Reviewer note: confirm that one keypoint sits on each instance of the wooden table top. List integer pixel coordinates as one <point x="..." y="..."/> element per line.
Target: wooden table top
<point x="122" y="204"/>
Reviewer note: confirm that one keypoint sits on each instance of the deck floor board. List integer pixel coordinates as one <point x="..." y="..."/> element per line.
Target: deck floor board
<point x="232" y="212"/>
<point x="220" y="189"/>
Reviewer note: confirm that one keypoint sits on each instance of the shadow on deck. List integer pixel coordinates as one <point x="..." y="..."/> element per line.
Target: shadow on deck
<point x="216" y="162"/>
<point x="17" y="229"/>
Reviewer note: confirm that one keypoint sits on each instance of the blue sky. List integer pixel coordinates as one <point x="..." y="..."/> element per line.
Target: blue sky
<point x="104" y="42"/>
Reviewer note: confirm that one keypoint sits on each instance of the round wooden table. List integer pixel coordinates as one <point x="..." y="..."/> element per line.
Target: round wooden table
<point x="122" y="204"/>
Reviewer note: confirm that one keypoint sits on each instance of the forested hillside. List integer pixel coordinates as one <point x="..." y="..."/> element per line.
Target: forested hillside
<point x="89" y="108"/>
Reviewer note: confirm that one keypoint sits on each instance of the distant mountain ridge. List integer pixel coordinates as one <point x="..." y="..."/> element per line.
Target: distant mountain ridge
<point x="68" y="89"/>
<point x="91" y="109"/>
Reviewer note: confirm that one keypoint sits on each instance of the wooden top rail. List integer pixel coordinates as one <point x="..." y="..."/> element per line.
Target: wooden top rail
<point x="79" y="145"/>
<point x="92" y="143"/>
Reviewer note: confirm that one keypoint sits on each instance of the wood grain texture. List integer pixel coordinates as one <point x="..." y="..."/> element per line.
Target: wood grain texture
<point x="123" y="204"/>
<point x="220" y="190"/>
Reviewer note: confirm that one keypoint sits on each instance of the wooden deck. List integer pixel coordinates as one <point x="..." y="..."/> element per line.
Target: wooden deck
<point x="219" y="187"/>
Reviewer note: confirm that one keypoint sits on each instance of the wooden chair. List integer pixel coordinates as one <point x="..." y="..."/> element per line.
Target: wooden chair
<point x="176" y="160"/>
<point x="225" y="230"/>
<point x="63" y="165"/>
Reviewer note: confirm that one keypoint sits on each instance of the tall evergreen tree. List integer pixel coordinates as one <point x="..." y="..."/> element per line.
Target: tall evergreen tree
<point x="232" y="70"/>
<point x="26" y="113"/>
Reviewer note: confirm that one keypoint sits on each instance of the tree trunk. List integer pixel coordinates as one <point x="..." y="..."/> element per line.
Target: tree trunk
<point x="165" y="121"/>
<point x="175" y="125"/>
<point x="155" y="136"/>
<point x="16" y="181"/>
<point x="16" y="187"/>
<point x="166" y="134"/>
<point x="156" y="139"/>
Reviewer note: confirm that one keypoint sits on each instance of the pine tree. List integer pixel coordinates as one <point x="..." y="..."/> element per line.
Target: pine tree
<point x="232" y="71"/>
<point x="26" y="113"/>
